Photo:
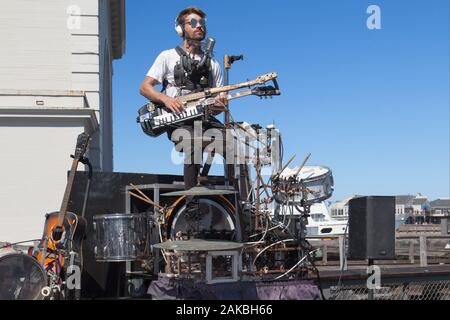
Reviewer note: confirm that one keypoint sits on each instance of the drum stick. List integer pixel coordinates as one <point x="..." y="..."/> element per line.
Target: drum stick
<point x="144" y="196"/>
<point x="140" y="192"/>
<point x="284" y="167"/>
<point x="145" y="200"/>
<point x="139" y="197"/>
<point x="302" y="165"/>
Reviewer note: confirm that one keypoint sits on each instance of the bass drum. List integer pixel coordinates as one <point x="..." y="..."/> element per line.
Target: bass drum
<point x="216" y="219"/>
<point x="21" y="276"/>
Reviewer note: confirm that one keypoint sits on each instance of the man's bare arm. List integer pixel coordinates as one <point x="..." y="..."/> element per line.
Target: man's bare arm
<point x="147" y="89"/>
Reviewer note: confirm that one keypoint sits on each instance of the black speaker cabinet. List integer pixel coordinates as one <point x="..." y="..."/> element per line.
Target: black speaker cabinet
<point x="372" y="227"/>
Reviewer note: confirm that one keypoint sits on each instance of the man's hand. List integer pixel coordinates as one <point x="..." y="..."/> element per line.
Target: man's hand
<point x="173" y="104"/>
<point x="221" y="105"/>
<point x="147" y="89"/>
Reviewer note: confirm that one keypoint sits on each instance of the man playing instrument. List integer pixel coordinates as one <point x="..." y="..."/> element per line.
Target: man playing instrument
<point x="183" y="70"/>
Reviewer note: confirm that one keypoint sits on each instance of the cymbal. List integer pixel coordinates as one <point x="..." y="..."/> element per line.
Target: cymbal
<point x="198" y="245"/>
<point x="199" y="191"/>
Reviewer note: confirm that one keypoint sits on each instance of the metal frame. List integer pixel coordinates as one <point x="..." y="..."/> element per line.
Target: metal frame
<point x="235" y="264"/>
<point x="157" y="187"/>
<point x="156" y="196"/>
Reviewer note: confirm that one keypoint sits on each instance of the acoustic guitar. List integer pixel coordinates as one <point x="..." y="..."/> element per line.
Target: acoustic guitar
<point x="63" y="231"/>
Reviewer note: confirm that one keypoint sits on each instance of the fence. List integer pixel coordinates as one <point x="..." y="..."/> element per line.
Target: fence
<point x="421" y="270"/>
<point x="409" y="248"/>
<point x="433" y="290"/>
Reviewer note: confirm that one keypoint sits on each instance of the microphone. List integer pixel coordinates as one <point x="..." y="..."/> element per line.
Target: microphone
<point x="209" y="46"/>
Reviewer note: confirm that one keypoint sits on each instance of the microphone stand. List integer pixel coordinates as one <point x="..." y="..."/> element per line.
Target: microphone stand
<point x="85" y="161"/>
<point x="241" y="193"/>
<point x="228" y="60"/>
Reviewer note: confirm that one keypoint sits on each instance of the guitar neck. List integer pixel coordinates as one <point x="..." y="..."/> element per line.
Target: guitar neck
<point x="239" y="94"/>
<point x="235" y="86"/>
<point x="199" y="95"/>
<point x="65" y="202"/>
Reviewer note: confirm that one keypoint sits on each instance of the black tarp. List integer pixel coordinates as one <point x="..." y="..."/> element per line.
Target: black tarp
<point x="184" y="289"/>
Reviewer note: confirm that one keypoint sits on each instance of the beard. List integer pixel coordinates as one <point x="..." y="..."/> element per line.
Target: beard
<point x="196" y="36"/>
<point x="194" y="43"/>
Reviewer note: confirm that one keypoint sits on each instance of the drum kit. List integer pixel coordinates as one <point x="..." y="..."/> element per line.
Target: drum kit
<point x="247" y="212"/>
<point x="123" y="237"/>
<point x="242" y="238"/>
<point x="267" y="245"/>
<point x="238" y="228"/>
<point x="242" y="227"/>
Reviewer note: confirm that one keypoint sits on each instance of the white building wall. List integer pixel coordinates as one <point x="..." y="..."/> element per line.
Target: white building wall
<point x="85" y="55"/>
<point x="417" y="209"/>
<point x="33" y="173"/>
<point x="34" y="45"/>
<point x="339" y="211"/>
<point x="399" y="209"/>
<point x="40" y="53"/>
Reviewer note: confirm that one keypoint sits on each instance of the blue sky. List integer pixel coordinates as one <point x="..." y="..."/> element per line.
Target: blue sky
<point x="373" y="105"/>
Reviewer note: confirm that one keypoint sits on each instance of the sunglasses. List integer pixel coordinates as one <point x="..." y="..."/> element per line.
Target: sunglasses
<point x="194" y="22"/>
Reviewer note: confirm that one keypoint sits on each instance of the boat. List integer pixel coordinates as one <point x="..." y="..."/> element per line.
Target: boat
<point x="320" y="222"/>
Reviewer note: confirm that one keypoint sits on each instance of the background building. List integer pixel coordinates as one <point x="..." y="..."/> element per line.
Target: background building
<point x="440" y="207"/>
<point x="408" y="209"/>
<point x="55" y="83"/>
<point x="339" y="209"/>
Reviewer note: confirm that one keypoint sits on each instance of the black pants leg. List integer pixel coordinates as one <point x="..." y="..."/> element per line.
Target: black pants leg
<point x="190" y="172"/>
<point x="191" y="169"/>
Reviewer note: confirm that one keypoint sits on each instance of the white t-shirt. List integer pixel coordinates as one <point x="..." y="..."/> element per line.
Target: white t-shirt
<point x="164" y="65"/>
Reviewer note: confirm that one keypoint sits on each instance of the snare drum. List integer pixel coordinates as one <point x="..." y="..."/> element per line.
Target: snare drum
<point x="21" y="276"/>
<point x="318" y="181"/>
<point x="121" y="237"/>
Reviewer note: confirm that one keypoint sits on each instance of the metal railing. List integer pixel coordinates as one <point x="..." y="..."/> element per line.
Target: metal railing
<point x="328" y="245"/>
<point x="433" y="290"/>
<point x="427" y="248"/>
<point x="421" y="270"/>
